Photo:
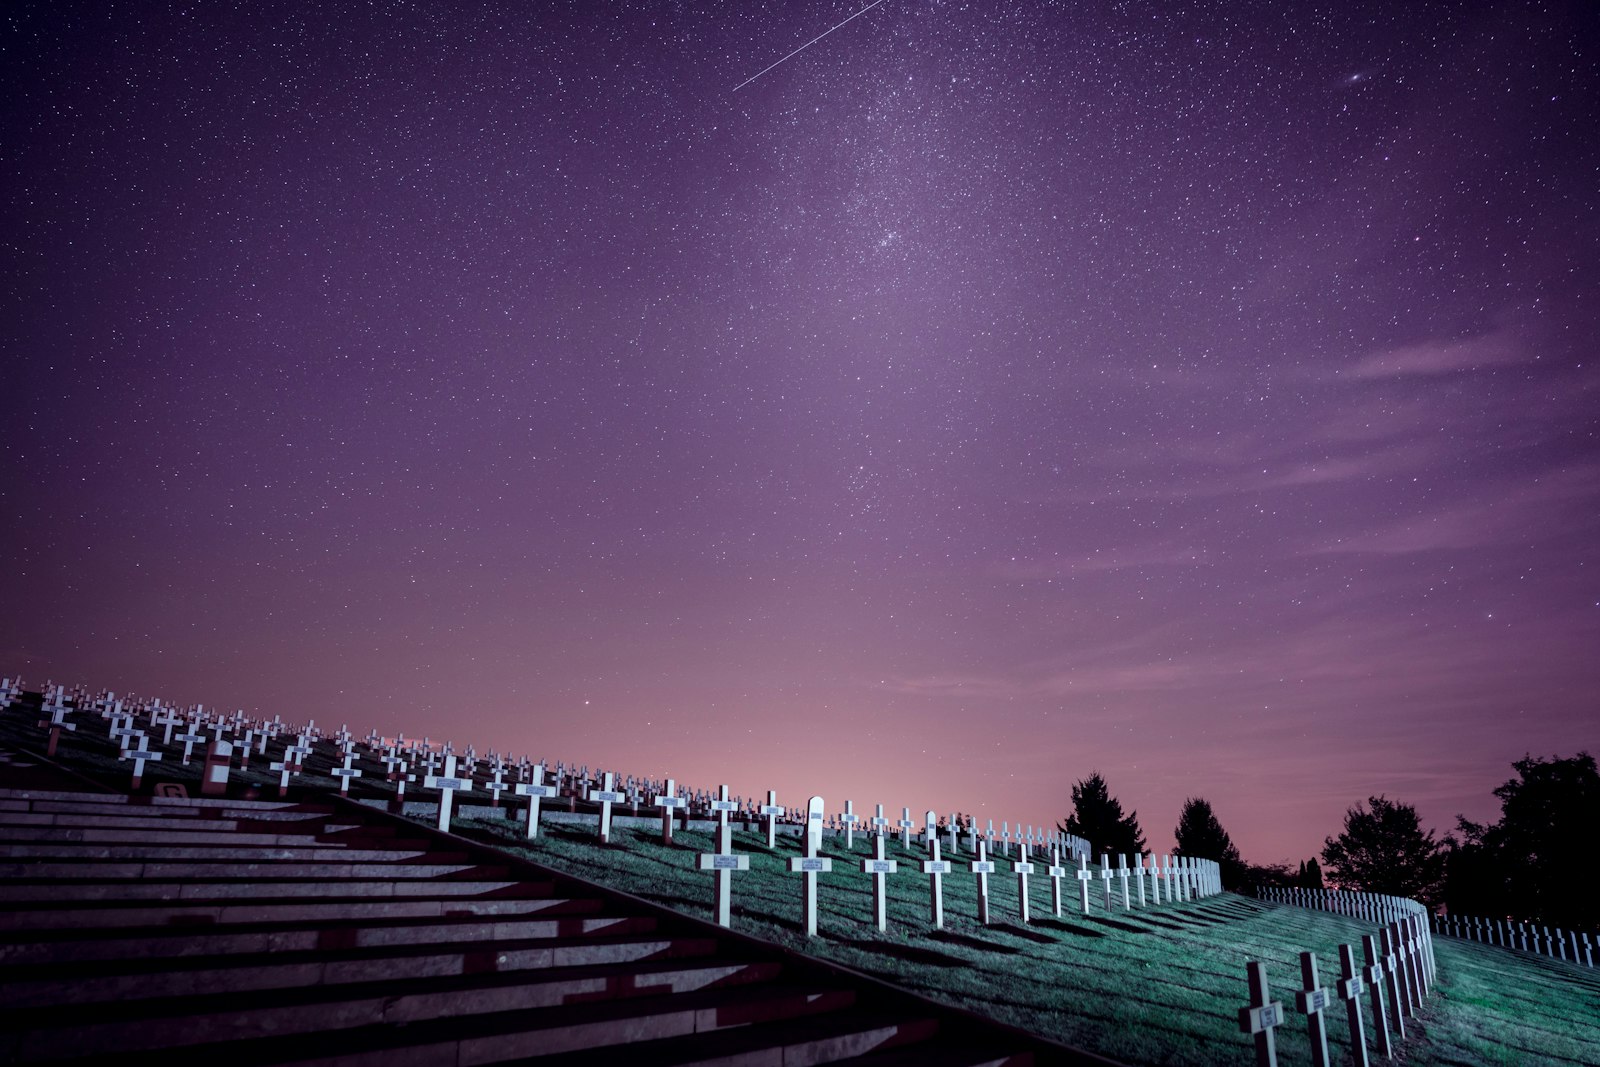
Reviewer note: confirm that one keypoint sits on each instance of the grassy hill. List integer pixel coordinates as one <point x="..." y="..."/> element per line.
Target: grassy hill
<point x="1152" y="986"/>
<point x="1159" y="985"/>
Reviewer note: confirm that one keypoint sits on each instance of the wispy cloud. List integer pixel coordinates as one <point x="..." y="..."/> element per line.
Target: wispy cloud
<point x="1428" y="358"/>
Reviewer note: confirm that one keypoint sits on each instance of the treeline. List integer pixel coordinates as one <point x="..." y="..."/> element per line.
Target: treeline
<point x="1537" y="863"/>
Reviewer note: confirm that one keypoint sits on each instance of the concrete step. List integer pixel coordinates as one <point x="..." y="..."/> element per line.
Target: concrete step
<point x="83" y="917"/>
<point x="17" y="893"/>
<point x="829" y="1038"/>
<point x="26" y="948"/>
<point x="230" y="838"/>
<point x="216" y="809"/>
<point x="519" y="1034"/>
<point x="68" y="1031"/>
<point x="944" y="1053"/>
<point x="140" y="978"/>
<point x="333" y="867"/>
<point x="308" y="853"/>
<point x="199" y="820"/>
<point x="125" y="801"/>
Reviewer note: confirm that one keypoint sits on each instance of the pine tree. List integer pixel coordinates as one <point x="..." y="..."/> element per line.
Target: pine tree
<point x="1097" y="817"/>
<point x="1384" y="849"/>
<point x="1200" y="835"/>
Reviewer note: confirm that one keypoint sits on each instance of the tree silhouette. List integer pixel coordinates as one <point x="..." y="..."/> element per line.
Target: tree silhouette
<point x="1384" y="849"/>
<point x="1310" y="875"/>
<point x="1532" y="863"/>
<point x="1200" y="835"/>
<point x="1097" y="818"/>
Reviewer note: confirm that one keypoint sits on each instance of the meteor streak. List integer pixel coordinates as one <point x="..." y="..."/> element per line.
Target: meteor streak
<point x="808" y="44"/>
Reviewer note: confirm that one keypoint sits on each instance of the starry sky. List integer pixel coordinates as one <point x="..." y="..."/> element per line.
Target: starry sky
<point x="987" y="394"/>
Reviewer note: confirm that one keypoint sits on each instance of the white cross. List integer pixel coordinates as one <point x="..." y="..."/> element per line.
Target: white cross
<point x="448" y="785"/>
<point x="1056" y="873"/>
<point x="496" y="784"/>
<point x="140" y="757"/>
<point x="345" y="773"/>
<point x="905" y="828"/>
<point x="165" y="718"/>
<point x="771" y="810"/>
<point x="190" y="739"/>
<point x="952" y="828"/>
<point x="1122" y="876"/>
<point x="723" y="862"/>
<point x="669" y="801"/>
<point x="1085" y="876"/>
<point x="1106" y="874"/>
<point x="935" y="868"/>
<point x="810" y="865"/>
<point x="1022" y="868"/>
<point x="850" y="818"/>
<point x="880" y="868"/>
<point x="983" y="867"/>
<point x="1350" y="988"/>
<point x="606" y="796"/>
<point x="879" y="823"/>
<point x="1262" y="1015"/>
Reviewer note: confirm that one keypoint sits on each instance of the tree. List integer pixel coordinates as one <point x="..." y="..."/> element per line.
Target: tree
<point x="1384" y="849"/>
<point x="1310" y="875"/>
<point x="1200" y="835"/>
<point x="1097" y="817"/>
<point x="1533" y="863"/>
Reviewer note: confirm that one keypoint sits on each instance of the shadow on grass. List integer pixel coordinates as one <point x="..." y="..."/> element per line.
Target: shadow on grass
<point x="1067" y="928"/>
<point x="974" y="943"/>
<point x="1117" y="924"/>
<point x="909" y="953"/>
<point x="1024" y="933"/>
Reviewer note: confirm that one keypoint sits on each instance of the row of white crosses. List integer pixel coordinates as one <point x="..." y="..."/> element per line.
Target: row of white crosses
<point x="1198" y="876"/>
<point x="1398" y="975"/>
<point x="1518" y="935"/>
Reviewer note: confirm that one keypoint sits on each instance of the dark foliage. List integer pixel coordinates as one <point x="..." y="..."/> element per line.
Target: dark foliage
<point x="1384" y="849"/>
<point x="1097" y="818"/>
<point x="1535" y="863"/>
<point x="1199" y="834"/>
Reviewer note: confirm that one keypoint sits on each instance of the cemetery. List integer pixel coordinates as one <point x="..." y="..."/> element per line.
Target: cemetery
<point x="349" y="857"/>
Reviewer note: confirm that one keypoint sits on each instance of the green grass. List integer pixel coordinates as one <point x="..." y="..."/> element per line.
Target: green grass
<point x="1160" y="985"/>
<point x="1156" y="985"/>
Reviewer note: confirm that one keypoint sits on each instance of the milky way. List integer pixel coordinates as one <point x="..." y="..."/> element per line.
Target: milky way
<point x="990" y="394"/>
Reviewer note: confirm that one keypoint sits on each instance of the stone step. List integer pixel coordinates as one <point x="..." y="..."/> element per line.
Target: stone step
<point x="198" y="821"/>
<point x="81" y="917"/>
<point x="163" y="835"/>
<point x="829" y="1038"/>
<point x="946" y="1053"/>
<point x="14" y="893"/>
<point x="123" y="800"/>
<point x="518" y="1034"/>
<point x="139" y="978"/>
<point x="64" y="1032"/>
<point x="308" y="853"/>
<point x="218" y="808"/>
<point x="332" y="867"/>
<point x="34" y="947"/>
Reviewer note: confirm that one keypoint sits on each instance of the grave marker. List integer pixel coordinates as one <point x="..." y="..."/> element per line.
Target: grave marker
<point x="1107" y="873"/>
<point x="1310" y="1001"/>
<point x="905" y="828"/>
<point x="879" y="823"/>
<point x="1350" y="988"/>
<point x="535" y="790"/>
<point x="669" y="801"/>
<point x="935" y="868"/>
<point x="606" y="796"/>
<point x="1056" y="872"/>
<point x="496" y="784"/>
<point x="880" y="868"/>
<point x="1122" y="876"/>
<point x="219" y="760"/>
<point x="1085" y="876"/>
<point x="140" y="757"/>
<point x="771" y="809"/>
<point x="1022" y="868"/>
<point x="982" y="867"/>
<point x="57" y="722"/>
<point x="1261" y="1016"/>
<point x="810" y="865"/>
<point x="849" y="819"/>
<point x="1399" y="1006"/>
<point x="723" y="862"/>
<point x="345" y="772"/>
<point x="1373" y="977"/>
<point x="448" y="785"/>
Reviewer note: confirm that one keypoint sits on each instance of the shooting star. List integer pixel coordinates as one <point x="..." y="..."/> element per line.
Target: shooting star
<point x="808" y="44"/>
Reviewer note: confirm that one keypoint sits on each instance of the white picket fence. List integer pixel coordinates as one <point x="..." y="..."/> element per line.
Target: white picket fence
<point x="1518" y="936"/>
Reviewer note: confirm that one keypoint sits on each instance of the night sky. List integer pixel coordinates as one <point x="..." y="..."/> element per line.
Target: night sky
<point x="988" y="394"/>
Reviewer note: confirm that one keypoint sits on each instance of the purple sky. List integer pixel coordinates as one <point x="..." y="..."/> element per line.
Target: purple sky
<point x="989" y="394"/>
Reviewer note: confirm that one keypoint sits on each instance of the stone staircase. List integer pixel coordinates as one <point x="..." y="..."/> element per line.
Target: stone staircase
<point x="232" y="932"/>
